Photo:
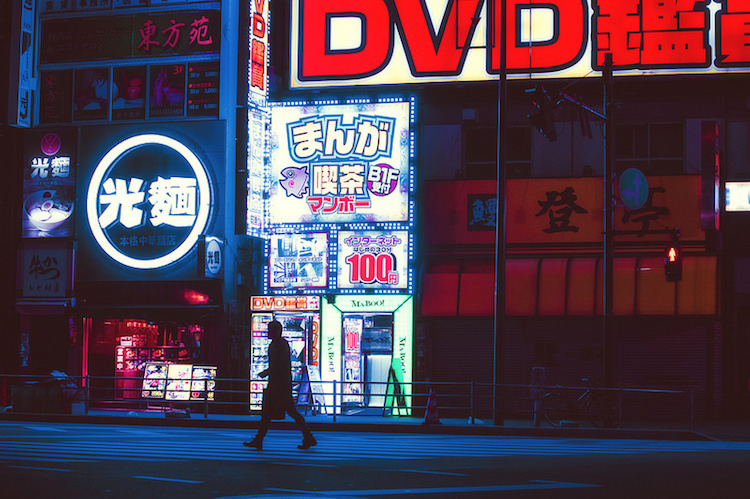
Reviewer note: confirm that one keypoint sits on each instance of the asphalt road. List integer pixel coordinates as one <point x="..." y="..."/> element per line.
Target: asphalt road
<point x="123" y="461"/>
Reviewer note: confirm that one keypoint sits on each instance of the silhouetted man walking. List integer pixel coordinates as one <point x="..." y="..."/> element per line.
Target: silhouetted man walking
<point x="277" y="397"/>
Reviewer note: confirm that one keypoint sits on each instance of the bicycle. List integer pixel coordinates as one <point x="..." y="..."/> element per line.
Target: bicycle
<point x="599" y="407"/>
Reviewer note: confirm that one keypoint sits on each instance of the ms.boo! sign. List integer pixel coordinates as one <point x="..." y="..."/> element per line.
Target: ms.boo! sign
<point x="148" y="201"/>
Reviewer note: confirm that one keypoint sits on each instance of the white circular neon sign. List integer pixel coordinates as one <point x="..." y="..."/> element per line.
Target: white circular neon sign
<point x="202" y="209"/>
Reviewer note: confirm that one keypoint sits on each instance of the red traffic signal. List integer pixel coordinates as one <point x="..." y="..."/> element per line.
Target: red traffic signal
<point x="673" y="263"/>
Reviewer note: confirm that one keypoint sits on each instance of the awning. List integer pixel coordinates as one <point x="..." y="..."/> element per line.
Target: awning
<point x="44" y="306"/>
<point x="569" y="286"/>
<point x="148" y="312"/>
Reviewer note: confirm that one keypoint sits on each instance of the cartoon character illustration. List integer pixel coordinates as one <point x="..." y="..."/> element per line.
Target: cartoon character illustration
<point x="294" y="181"/>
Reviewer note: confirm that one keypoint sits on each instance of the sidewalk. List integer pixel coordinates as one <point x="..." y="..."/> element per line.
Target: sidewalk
<point x="709" y="430"/>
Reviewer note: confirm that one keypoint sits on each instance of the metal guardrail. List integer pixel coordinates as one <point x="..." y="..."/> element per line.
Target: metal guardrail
<point x="46" y="393"/>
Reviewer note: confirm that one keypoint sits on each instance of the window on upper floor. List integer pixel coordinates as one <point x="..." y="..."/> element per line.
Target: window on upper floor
<point x="653" y="148"/>
<point x="480" y="153"/>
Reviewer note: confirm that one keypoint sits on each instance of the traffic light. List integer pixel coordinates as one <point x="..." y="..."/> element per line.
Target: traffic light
<point x="542" y="119"/>
<point x="673" y="263"/>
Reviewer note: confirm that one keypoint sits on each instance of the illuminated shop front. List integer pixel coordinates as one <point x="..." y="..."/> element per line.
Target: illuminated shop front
<point x="338" y="225"/>
<point x="149" y="278"/>
<point x="366" y="346"/>
<point x="300" y="319"/>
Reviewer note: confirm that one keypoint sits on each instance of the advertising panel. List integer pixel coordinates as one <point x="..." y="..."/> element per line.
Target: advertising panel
<point x="148" y="195"/>
<point x="166" y="90"/>
<point x="22" y="64"/>
<point x="129" y="93"/>
<point x="143" y="35"/>
<point x="148" y="219"/>
<point x="373" y="259"/>
<point x="49" y="184"/>
<point x="46" y="272"/>
<point x="299" y="260"/>
<point x="91" y="94"/>
<point x="737" y="196"/>
<point x="354" y="43"/>
<point x="55" y="96"/>
<point x="257" y="120"/>
<point x="338" y="163"/>
<point x="258" y="67"/>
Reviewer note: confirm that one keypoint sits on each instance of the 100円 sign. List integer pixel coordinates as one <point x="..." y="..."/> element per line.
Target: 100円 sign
<point x="148" y="201"/>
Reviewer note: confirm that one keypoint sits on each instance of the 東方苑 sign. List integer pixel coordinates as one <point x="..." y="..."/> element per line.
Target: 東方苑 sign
<point x="142" y="36"/>
<point x="148" y="201"/>
<point x="335" y="42"/>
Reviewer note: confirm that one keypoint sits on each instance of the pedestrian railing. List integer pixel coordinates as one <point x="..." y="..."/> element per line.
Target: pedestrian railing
<point x="472" y="402"/>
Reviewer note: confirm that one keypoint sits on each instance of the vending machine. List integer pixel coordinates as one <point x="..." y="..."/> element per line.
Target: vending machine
<point x="300" y="327"/>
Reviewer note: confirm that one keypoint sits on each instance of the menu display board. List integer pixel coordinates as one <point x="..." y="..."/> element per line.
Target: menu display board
<point x="155" y="380"/>
<point x="203" y="89"/>
<point x="203" y="383"/>
<point x="179" y="381"/>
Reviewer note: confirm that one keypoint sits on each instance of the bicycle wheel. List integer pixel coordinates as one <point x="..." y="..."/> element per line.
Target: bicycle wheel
<point x="555" y="408"/>
<point x="604" y="411"/>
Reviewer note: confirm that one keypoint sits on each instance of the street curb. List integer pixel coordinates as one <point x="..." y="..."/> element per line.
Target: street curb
<point x="197" y="421"/>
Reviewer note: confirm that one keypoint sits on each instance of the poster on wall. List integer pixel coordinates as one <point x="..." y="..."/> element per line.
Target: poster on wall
<point x="373" y="259"/>
<point x="338" y="163"/>
<point x="167" y="91"/>
<point x="129" y="93"/>
<point x="91" y="94"/>
<point x="298" y="260"/>
<point x="55" y="96"/>
<point x="49" y="184"/>
<point x="203" y="89"/>
<point x="45" y="272"/>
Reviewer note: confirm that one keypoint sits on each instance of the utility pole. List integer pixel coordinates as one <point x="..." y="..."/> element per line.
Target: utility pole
<point x="609" y="216"/>
<point x="502" y="94"/>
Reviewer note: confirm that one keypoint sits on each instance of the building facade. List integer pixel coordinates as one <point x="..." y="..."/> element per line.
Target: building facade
<point x="347" y="187"/>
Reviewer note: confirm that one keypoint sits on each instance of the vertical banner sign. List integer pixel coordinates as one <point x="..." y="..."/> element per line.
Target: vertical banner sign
<point x="49" y="184"/>
<point x="26" y="79"/>
<point x="256" y="169"/>
<point x="258" y="64"/>
<point x="339" y="163"/>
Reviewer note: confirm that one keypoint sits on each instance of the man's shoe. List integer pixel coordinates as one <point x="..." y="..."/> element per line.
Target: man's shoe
<point x="307" y="442"/>
<point x="254" y="444"/>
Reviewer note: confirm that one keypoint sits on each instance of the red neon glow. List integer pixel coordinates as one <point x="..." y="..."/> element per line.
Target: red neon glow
<point x="194" y="297"/>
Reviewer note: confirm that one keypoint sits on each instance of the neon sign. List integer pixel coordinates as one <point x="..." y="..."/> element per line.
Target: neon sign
<point x="373" y="259"/>
<point x="340" y="163"/>
<point x="336" y="42"/>
<point x="146" y="218"/>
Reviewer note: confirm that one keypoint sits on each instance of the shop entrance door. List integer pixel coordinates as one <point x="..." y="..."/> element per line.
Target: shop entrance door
<point x="368" y="353"/>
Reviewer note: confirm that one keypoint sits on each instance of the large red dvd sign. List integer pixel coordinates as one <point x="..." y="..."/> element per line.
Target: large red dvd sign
<point x="373" y="42"/>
